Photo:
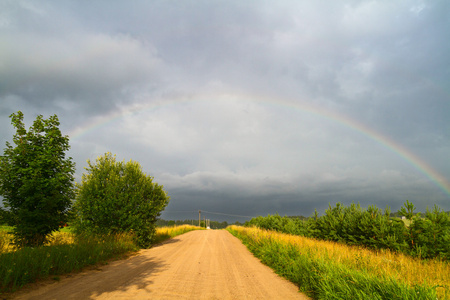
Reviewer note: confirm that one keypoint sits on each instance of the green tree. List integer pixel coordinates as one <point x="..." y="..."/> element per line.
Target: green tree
<point x="407" y="210"/>
<point x="36" y="179"/>
<point x="2" y="216"/>
<point x="5" y="217"/>
<point x="116" y="197"/>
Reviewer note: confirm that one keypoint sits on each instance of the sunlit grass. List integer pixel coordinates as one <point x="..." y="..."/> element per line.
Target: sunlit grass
<point x="64" y="253"/>
<point x="5" y="239"/>
<point x="382" y="264"/>
<point x="63" y="236"/>
<point x="164" y="233"/>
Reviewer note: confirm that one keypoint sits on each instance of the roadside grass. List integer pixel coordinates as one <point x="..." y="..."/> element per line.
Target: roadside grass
<point x="327" y="270"/>
<point x="64" y="256"/>
<point x="5" y="238"/>
<point x="65" y="253"/>
<point x="165" y="233"/>
<point x="63" y="236"/>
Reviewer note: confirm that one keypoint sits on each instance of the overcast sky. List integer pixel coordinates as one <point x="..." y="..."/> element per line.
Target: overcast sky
<point x="243" y="107"/>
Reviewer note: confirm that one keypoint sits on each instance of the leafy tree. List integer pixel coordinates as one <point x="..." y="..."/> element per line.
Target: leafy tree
<point x="6" y="217"/>
<point x="36" y="179"/>
<point x="116" y="197"/>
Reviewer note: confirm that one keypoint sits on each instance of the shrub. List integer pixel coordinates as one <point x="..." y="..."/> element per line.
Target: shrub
<point x="116" y="197"/>
<point x="425" y="237"/>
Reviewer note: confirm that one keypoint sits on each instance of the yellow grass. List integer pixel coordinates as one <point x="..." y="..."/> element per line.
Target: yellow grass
<point x="61" y="237"/>
<point x="165" y="233"/>
<point x="382" y="263"/>
<point x="175" y="230"/>
<point x="57" y="238"/>
<point x="64" y="237"/>
<point x="5" y="238"/>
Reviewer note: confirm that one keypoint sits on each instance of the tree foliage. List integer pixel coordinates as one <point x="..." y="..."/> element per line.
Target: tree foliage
<point x="429" y="236"/>
<point x="116" y="197"/>
<point x="36" y="179"/>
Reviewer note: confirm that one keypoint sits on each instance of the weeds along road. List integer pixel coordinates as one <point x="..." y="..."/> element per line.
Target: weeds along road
<point x="201" y="264"/>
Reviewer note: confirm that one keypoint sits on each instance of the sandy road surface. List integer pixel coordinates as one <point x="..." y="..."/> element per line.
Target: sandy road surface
<point x="206" y="264"/>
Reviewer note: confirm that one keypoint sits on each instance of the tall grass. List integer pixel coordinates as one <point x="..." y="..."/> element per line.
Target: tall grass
<point x="28" y="264"/>
<point x="328" y="270"/>
<point x="63" y="236"/>
<point x="64" y="253"/>
<point x="426" y="236"/>
<point x="165" y="233"/>
<point x="5" y="238"/>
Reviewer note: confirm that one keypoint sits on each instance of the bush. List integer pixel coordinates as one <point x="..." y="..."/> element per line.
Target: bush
<point x="116" y="197"/>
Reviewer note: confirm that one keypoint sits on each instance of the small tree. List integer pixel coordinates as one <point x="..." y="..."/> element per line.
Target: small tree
<point x="36" y="179"/>
<point x="408" y="211"/>
<point x="116" y="197"/>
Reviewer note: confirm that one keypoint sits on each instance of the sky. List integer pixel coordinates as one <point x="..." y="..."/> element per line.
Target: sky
<point x="243" y="108"/>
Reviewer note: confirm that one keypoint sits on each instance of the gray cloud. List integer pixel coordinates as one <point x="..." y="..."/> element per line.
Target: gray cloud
<point x="241" y="107"/>
<point x="44" y="71"/>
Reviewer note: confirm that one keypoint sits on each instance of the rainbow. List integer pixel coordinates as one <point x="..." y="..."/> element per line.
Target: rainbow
<point x="435" y="177"/>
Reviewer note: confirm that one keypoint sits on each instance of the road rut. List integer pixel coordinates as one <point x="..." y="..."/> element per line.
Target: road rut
<point x="201" y="264"/>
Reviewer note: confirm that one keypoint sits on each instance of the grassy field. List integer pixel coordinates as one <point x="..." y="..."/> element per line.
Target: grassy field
<point x="327" y="270"/>
<point x="164" y="233"/>
<point x="5" y="237"/>
<point x="65" y="253"/>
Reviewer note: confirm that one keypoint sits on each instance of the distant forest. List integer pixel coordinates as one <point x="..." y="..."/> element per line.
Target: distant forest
<point x="221" y="225"/>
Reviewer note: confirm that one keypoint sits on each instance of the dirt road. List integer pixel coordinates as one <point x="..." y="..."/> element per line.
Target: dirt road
<point x="207" y="264"/>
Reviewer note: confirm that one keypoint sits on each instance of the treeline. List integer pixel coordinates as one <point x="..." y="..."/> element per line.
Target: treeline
<point x="213" y="224"/>
<point x="425" y="235"/>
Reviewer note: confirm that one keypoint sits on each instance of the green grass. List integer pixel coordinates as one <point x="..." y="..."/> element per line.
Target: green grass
<point x="29" y="264"/>
<point x="322" y="277"/>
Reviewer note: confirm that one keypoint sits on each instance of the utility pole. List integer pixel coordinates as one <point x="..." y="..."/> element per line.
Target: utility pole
<point x="199" y="218"/>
